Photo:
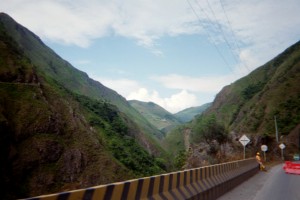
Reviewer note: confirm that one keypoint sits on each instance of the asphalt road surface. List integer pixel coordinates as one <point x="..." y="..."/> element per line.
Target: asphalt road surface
<point x="274" y="184"/>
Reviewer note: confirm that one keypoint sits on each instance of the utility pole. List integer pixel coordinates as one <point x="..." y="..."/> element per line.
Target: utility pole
<point x="276" y="129"/>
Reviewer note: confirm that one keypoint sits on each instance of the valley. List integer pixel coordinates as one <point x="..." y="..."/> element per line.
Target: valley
<point x="62" y="130"/>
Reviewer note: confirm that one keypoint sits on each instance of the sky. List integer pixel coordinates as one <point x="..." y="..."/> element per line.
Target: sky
<point x="175" y="53"/>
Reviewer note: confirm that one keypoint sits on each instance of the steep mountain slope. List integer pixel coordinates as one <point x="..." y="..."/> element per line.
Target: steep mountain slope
<point x="54" y="68"/>
<point x="247" y="106"/>
<point x="250" y="104"/>
<point x="156" y="115"/>
<point x="188" y="114"/>
<point x="59" y="129"/>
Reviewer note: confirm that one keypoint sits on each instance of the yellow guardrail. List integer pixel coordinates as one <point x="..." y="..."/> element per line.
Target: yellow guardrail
<point x="207" y="182"/>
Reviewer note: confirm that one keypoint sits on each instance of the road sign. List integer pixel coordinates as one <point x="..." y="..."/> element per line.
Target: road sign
<point x="264" y="147"/>
<point x="281" y="146"/>
<point x="244" y="140"/>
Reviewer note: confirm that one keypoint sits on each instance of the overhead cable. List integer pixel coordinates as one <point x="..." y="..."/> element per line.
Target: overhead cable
<point x="209" y="35"/>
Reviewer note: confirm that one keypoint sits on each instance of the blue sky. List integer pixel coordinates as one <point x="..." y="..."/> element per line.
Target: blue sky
<point x="175" y="53"/>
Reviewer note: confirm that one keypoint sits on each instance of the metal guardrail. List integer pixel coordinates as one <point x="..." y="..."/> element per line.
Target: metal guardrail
<point x="208" y="182"/>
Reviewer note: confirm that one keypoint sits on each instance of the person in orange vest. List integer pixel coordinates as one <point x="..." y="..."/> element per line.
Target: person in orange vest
<point x="259" y="160"/>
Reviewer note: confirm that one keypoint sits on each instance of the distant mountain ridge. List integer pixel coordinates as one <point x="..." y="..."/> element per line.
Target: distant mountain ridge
<point x="156" y="115"/>
<point x="188" y="114"/>
<point x="164" y="120"/>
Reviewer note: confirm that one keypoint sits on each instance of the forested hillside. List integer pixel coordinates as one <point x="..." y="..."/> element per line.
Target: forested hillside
<point x="156" y="115"/>
<point x="248" y="106"/>
<point x="61" y="130"/>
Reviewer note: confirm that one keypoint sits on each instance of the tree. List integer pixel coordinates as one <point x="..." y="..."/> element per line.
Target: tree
<point x="180" y="159"/>
<point x="209" y="130"/>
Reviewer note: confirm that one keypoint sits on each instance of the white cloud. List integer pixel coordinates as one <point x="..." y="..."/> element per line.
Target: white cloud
<point x="267" y="26"/>
<point x="63" y="21"/>
<point x="208" y="84"/>
<point x="173" y="104"/>
<point x="261" y="29"/>
<point x="180" y="101"/>
<point x="133" y="90"/>
<point x="257" y="30"/>
<point x="193" y="93"/>
<point x="147" y="20"/>
<point x="78" y="22"/>
<point x="143" y="94"/>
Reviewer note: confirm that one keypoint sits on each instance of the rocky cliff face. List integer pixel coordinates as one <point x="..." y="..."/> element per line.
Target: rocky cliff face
<point x="47" y="145"/>
<point x="54" y="138"/>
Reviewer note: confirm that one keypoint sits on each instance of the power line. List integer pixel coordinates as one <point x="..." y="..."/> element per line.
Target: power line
<point x="217" y="26"/>
<point x="233" y="35"/>
<point x="230" y="47"/>
<point x="223" y="33"/>
<point x="209" y="35"/>
<point x="229" y="24"/>
<point x="253" y="79"/>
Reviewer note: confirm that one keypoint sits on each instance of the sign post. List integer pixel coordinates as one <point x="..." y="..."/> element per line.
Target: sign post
<point x="244" y="140"/>
<point x="264" y="148"/>
<point x="282" y="146"/>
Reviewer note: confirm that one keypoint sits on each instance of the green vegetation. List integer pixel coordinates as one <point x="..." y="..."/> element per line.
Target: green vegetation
<point x="251" y="90"/>
<point x="60" y="130"/>
<point x="156" y="115"/>
<point x="188" y="114"/>
<point x="249" y="104"/>
<point x="180" y="159"/>
<point x="209" y="130"/>
<point x="54" y="69"/>
<point x="135" y="158"/>
<point x="174" y="141"/>
<point x="117" y="138"/>
<point x="288" y="114"/>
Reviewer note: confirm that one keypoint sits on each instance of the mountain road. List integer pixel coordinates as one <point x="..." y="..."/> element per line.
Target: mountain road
<point x="274" y="184"/>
